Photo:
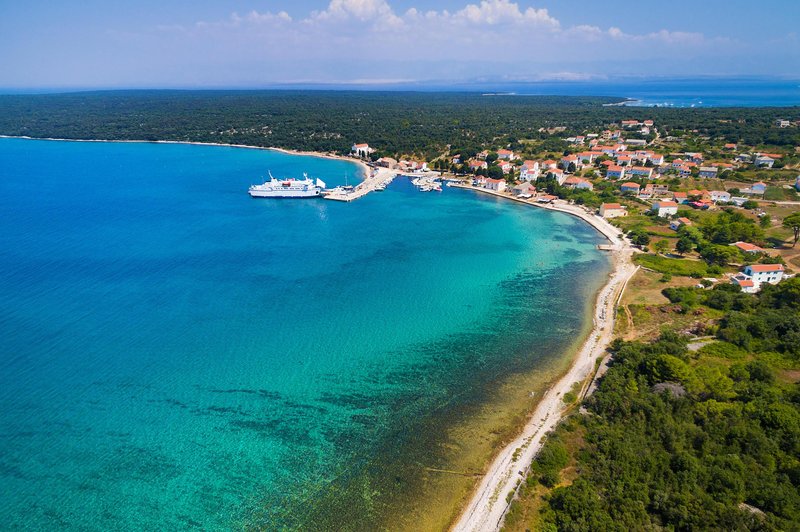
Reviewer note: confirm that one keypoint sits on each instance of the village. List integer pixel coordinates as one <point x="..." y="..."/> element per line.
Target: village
<point x="661" y="191"/>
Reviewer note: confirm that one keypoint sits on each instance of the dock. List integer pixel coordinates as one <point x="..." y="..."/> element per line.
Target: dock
<point x="377" y="180"/>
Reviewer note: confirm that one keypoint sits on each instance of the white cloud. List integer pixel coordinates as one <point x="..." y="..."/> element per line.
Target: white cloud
<point x="504" y="11"/>
<point x="362" y="10"/>
<point x="495" y="38"/>
<point x="260" y="18"/>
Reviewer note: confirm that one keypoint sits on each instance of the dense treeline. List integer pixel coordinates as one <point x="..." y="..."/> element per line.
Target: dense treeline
<point x="394" y="122"/>
<point x="683" y="440"/>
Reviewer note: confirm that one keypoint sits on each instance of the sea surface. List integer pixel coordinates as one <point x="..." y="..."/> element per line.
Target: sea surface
<point x="704" y="92"/>
<point x="645" y="92"/>
<point x="177" y="355"/>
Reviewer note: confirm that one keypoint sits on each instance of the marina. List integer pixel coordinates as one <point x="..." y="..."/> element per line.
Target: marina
<point x="377" y="180"/>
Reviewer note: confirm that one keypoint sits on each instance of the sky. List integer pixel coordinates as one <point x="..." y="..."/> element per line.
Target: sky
<point x="248" y="43"/>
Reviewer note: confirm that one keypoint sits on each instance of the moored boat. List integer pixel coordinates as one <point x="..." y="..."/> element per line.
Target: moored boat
<point x="288" y="188"/>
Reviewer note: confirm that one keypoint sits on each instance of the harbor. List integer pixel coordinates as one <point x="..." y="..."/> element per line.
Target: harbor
<point x="377" y="180"/>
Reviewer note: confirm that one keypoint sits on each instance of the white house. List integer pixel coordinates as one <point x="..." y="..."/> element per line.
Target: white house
<point x="506" y="155"/>
<point x="524" y="190"/>
<point x="738" y="200"/>
<point x="478" y="165"/>
<point x="612" y="210"/>
<point x="641" y="171"/>
<point x="764" y="160"/>
<point x="505" y="166"/>
<point x="361" y="150"/>
<point x="745" y="283"/>
<point x="665" y="208"/>
<point x="720" y="196"/>
<point x="578" y="183"/>
<point x="615" y="172"/>
<point x="558" y="174"/>
<point x="708" y="171"/>
<point x="498" y="185"/>
<point x="414" y="166"/>
<point x="571" y="159"/>
<point x="680" y="222"/>
<point x="764" y="273"/>
<point x="529" y="171"/>
<point x="387" y="162"/>
<point x="748" y="248"/>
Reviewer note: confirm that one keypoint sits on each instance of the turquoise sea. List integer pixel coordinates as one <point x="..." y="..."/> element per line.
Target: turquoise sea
<point x="178" y="355"/>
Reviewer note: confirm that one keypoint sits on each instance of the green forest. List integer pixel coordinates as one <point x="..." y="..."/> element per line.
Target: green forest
<point x="680" y="439"/>
<point x="396" y="123"/>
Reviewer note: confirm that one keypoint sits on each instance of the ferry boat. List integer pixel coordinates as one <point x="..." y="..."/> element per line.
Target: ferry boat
<point x="288" y="188"/>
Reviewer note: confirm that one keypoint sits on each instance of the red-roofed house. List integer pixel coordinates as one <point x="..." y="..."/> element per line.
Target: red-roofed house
<point x="630" y="187"/>
<point x="763" y="273"/>
<point x="578" y="183"/>
<point x="680" y="197"/>
<point x="529" y="171"/>
<point x="745" y="283"/>
<point x="664" y="209"/>
<point x="506" y="155"/>
<point x="612" y="210"/>
<point x="746" y="247"/>
<point x="570" y="159"/>
<point x="361" y="150"/>
<point x="478" y="165"/>
<point x="498" y="185"/>
<point x="678" y="223"/>
<point x="764" y="160"/>
<point x="615" y="172"/>
<point x="505" y="166"/>
<point x="557" y="173"/>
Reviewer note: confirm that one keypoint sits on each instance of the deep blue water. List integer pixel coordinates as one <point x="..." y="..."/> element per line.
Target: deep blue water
<point x="176" y="354"/>
<point x="746" y="92"/>
<point x="664" y="92"/>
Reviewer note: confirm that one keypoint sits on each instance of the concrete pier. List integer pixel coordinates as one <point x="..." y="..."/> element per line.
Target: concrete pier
<point x="378" y="177"/>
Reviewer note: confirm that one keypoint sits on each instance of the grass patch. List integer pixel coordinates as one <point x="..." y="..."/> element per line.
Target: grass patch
<point x="780" y="194"/>
<point x="682" y="267"/>
<point x="722" y="350"/>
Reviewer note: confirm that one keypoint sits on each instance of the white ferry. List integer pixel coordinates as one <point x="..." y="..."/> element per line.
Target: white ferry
<point x="288" y="188"/>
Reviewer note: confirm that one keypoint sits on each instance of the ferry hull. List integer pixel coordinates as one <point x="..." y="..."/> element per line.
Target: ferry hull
<point x="285" y="193"/>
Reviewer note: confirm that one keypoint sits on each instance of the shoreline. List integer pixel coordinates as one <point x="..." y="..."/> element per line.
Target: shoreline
<point x="365" y="170"/>
<point x="488" y="503"/>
